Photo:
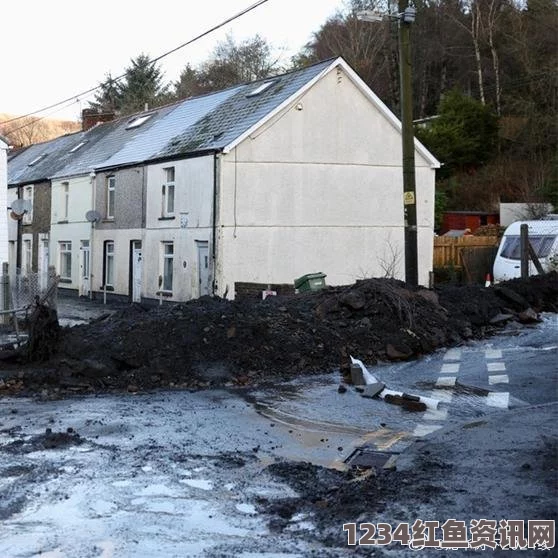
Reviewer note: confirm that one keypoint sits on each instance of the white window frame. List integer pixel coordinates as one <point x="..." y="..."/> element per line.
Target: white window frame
<point x="168" y="192"/>
<point x="65" y="259"/>
<point x="65" y="200"/>
<point x="28" y="193"/>
<point x="167" y="266"/>
<point x="27" y="254"/>
<point x="108" y="280"/>
<point x="111" y="190"/>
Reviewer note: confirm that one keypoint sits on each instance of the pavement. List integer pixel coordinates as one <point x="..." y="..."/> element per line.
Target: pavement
<point x="76" y="311"/>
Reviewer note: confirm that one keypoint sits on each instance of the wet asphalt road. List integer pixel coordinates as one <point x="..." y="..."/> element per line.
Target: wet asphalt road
<point x="183" y="473"/>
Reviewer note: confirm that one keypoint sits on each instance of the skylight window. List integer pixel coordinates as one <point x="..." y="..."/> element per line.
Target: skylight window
<point x="37" y="159"/>
<point x="139" y="120"/>
<point x="260" y="89"/>
<point x="78" y="146"/>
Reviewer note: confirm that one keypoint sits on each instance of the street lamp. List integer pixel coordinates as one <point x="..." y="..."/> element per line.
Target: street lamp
<point x="406" y="17"/>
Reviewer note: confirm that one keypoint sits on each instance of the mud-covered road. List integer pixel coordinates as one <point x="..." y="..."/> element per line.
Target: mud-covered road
<point x="264" y="471"/>
<point x="219" y="429"/>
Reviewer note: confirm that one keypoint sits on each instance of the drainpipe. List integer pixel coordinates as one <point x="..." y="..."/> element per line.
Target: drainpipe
<point x="214" y="223"/>
<point x="19" y="233"/>
<point x="92" y="178"/>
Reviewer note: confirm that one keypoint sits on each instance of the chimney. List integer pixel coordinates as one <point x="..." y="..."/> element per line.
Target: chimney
<point x="91" y="117"/>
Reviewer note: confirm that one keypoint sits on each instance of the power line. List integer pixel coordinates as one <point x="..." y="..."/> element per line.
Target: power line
<point x="84" y="93"/>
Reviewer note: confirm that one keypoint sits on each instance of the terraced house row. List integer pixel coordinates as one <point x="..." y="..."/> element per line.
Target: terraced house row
<point x="257" y="184"/>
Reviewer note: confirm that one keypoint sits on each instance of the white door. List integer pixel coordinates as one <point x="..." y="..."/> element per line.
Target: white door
<point x="84" y="268"/>
<point x="42" y="263"/>
<point x="203" y="267"/>
<point x="136" y="271"/>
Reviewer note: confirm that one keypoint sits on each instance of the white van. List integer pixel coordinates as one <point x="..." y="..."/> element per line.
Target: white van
<point x="543" y="236"/>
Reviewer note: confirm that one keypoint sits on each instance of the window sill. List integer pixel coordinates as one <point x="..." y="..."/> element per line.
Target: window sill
<point x="63" y="222"/>
<point x="164" y="294"/>
<point x="108" y="220"/>
<point x="108" y="288"/>
<point x="167" y="218"/>
<point x="65" y="280"/>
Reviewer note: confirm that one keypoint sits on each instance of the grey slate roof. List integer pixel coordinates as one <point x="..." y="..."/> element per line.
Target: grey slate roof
<point x="54" y="155"/>
<point x="204" y="123"/>
<point x="217" y="128"/>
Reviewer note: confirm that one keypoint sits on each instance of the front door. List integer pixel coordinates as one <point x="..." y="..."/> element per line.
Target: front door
<point x="203" y="267"/>
<point x="136" y="270"/>
<point x="42" y="262"/>
<point x="84" y="268"/>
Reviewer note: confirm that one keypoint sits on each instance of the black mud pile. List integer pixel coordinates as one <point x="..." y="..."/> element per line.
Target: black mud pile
<point x="217" y="342"/>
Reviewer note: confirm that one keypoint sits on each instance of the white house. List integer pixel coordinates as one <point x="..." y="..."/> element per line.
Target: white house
<point x="295" y="174"/>
<point x="257" y="184"/>
<point x="317" y="186"/>
<point x="3" y="200"/>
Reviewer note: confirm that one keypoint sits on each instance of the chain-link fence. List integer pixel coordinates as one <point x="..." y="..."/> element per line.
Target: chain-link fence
<point x="19" y="292"/>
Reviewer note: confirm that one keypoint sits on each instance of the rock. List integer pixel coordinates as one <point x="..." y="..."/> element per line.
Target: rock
<point x="528" y="316"/>
<point x="430" y="296"/>
<point x="399" y="352"/>
<point x="328" y="306"/>
<point x="408" y="404"/>
<point x="500" y="319"/>
<point x="353" y="299"/>
<point x="511" y="296"/>
<point x="341" y="389"/>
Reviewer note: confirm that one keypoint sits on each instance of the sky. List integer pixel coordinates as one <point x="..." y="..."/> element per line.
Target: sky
<point x="56" y="49"/>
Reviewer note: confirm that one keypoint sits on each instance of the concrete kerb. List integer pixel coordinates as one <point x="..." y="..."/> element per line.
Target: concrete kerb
<point x="517" y="429"/>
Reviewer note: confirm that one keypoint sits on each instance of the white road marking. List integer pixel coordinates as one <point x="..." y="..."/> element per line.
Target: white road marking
<point x="495" y="366"/>
<point x="450" y="368"/>
<point x="446" y="381"/>
<point x="498" y="379"/>
<point x="492" y="353"/>
<point x="500" y="400"/>
<point x="424" y="429"/>
<point x="453" y="354"/>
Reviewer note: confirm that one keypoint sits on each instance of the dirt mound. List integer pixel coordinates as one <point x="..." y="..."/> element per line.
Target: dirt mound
<point x="212" y="341"/>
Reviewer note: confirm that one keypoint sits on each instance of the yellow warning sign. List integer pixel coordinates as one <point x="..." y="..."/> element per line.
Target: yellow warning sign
<point x="408" y="198"/>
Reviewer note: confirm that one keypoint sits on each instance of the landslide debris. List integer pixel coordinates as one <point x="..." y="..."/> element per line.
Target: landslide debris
<point x="211" y="341"/>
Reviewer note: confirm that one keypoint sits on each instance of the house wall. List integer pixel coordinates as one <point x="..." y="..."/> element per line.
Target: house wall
<point x="192" y="223"/>
<point x="319" y="188"/>
<point x="38" y="223"/>
<point x="122" y="258"/>
<point x="126" y="226"/>
<point x="3" y="203"/>
<point x="129" y="208"/>
<point x="72" y="227"/>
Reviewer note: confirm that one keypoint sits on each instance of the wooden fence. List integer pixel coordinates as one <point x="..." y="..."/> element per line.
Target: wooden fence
<point x="473" y="256"/>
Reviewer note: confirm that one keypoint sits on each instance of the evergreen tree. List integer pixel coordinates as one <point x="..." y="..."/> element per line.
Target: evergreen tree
<point x="109" y="96"/>
<point x="141" y="86"/>
<point x="465" y="134"/>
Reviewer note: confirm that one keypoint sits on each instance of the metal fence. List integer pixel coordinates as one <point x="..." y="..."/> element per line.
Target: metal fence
<point x="20" y="291"/>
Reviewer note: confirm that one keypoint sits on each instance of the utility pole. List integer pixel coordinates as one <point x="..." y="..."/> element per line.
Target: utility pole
<point x="408" y="144"/>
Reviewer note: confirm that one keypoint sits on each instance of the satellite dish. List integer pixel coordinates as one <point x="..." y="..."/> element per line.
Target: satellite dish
<point x="93" y="216"/>
<point x="19" y="207"/>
